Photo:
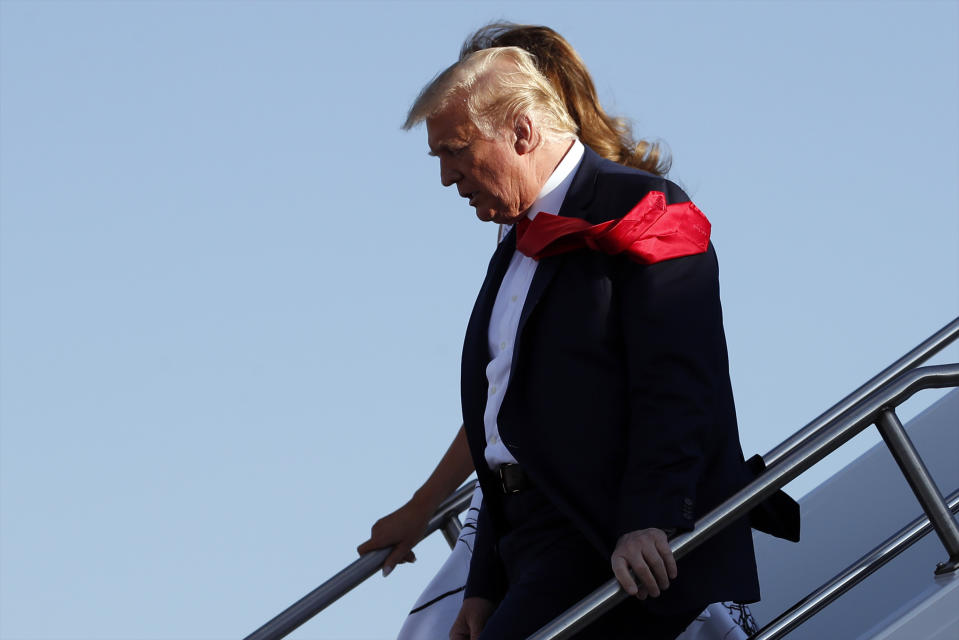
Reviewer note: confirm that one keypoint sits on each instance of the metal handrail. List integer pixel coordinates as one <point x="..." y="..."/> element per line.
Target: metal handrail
<point x="851" y="576"/>
<point x="820" y="437"/>
<point x="444" y="518"/>
<point x="813" y="447"/>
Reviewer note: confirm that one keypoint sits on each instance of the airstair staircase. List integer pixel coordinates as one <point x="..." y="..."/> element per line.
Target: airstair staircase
<point x="865" y="569"/>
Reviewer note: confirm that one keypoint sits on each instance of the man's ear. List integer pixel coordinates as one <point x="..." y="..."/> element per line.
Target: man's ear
<point x="526" y="135"/>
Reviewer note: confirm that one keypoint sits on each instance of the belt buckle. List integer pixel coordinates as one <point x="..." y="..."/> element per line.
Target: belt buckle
<point x="502" y="480"/>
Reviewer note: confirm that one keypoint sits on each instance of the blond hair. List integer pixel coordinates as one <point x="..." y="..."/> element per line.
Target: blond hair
<point x="558" y="61"/>
<point x="496" y="86"/>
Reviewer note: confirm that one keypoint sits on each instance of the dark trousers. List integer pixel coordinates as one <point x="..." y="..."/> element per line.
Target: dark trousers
<point x="550" y="567"/>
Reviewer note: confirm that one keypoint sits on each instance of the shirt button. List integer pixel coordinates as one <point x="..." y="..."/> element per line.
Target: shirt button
<point x="494" y="440"/>
<point x="492" y="390"/>
<point x="502" y="345"/>
<point x="513" y="298"/>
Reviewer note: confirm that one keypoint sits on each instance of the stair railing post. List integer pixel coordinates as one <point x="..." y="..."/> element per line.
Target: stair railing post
<point x="451" y="530"/>
<point x="922" y="485"/>
<point x="853" y="575"/>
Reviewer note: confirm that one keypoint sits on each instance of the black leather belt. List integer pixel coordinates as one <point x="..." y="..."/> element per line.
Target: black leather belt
<point x="512" y="479"/>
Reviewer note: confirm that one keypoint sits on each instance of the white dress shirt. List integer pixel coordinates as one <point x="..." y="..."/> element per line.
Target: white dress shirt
<point x="504" y="321"/>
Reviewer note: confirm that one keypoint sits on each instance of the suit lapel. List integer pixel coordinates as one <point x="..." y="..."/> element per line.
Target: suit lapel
<point x="499" y="263"/>
<point x="475" y="347"/>
<point x="575" y="205"/>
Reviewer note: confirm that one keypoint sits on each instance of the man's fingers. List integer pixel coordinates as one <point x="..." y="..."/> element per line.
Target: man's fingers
<point x="645" y="576"/>
<point x="471" y="619"/>
<point x="624" y="575"/>
<point x="657" y="567"/>
<point x="459" y="630"/>
<point x="667" y="555"/>
<point x="643" y="563"/>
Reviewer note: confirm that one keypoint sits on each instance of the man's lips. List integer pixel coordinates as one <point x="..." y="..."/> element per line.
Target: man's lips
<point x="469" y="196"/>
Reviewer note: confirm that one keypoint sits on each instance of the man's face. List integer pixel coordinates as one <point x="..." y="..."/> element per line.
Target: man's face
<point x="496" y="178"/>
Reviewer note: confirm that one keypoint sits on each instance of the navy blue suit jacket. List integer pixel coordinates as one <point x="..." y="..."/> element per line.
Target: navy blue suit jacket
<point x="619" y="404"/>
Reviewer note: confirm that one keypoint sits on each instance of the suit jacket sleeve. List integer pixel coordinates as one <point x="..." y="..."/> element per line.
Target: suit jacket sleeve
<point x="487" y="578"/>
<point x="680" y="400"/>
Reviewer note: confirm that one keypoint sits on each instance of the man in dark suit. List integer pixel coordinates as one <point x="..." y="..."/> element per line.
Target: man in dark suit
<point x="595" y="387"/>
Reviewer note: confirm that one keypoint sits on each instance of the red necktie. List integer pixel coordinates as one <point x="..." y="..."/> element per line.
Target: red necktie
<point x="653" y="231"/>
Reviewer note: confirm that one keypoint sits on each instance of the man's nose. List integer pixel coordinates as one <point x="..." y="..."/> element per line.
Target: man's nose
<point x="448" y="175"/>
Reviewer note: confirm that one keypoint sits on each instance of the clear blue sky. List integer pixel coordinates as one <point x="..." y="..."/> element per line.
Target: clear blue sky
<point x="234" y="291"/>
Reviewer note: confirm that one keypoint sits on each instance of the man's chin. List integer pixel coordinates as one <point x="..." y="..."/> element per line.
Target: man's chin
<point x="485" y="215"/>
<point x="498" y="217"/>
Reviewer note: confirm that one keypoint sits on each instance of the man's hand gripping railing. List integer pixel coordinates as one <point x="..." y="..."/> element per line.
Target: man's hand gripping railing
<point x="803" y="456"/>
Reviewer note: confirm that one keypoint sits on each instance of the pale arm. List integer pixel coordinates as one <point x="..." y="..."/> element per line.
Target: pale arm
<point x="404" y="527"/>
